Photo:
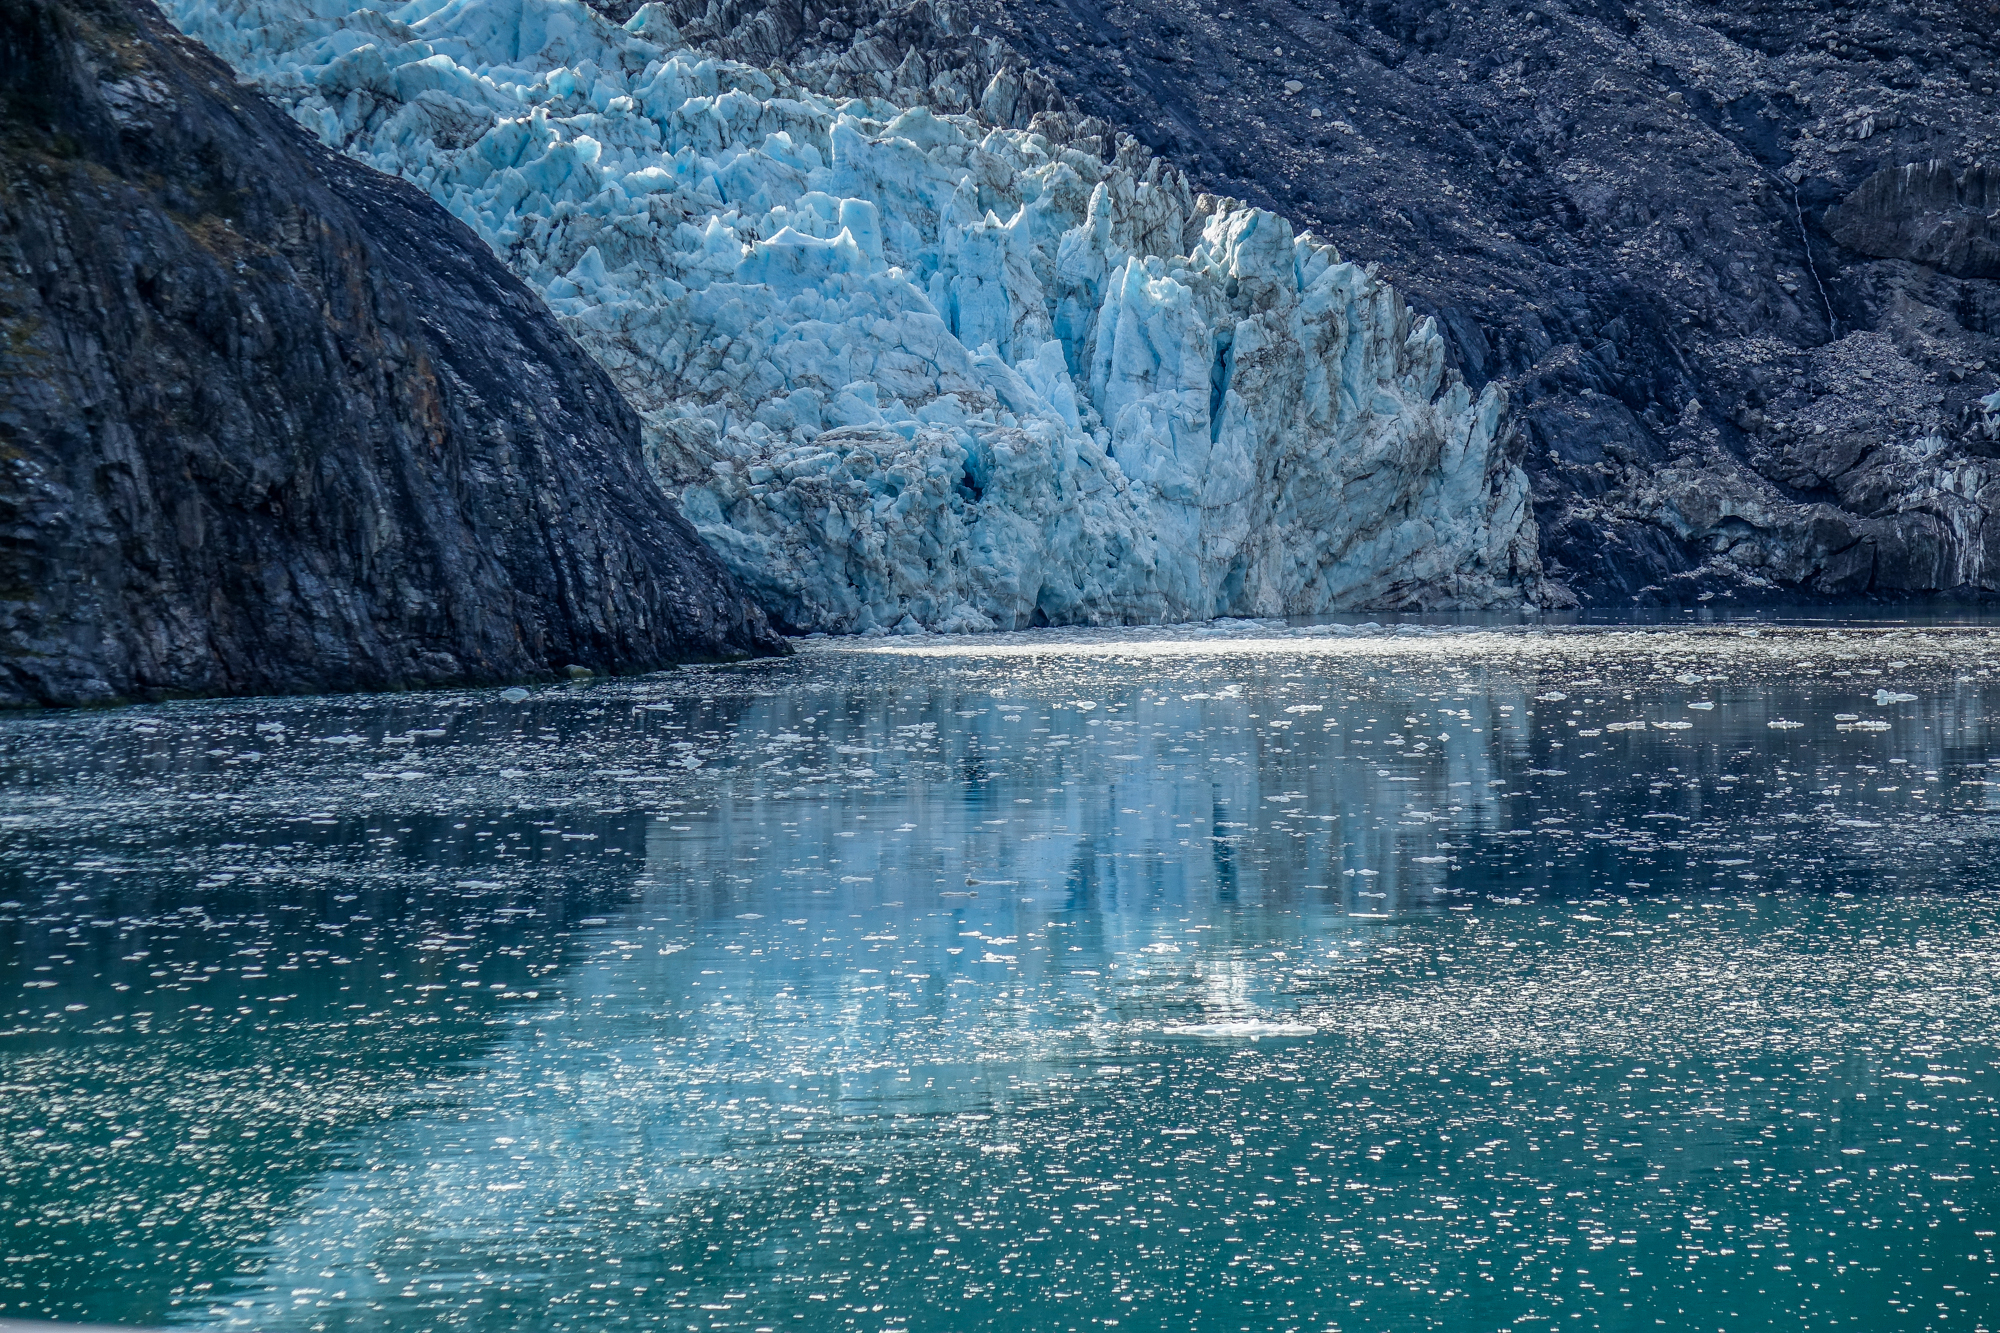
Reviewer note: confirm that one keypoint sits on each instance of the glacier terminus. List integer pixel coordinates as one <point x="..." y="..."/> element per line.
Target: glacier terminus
<point x="910" y="372"/>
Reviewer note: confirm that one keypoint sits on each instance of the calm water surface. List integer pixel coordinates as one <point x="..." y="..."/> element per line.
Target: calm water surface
<point x="1239" y="978"/>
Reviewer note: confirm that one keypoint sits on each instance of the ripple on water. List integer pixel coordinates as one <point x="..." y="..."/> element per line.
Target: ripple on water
<point x="1260" y="978"/>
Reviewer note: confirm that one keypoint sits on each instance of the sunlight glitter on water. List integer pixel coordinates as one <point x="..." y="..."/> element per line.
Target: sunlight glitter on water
<point x="1254" y="979"/>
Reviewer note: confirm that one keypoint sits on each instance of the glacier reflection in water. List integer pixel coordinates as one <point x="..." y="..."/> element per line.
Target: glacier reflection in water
<point x="1250" y="979"/>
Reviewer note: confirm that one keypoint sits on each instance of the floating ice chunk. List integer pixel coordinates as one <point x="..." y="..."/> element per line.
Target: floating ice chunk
<point x="1783" y="724"/>
<point x="1704" y="706"/>
<point x="1883" y="698"/>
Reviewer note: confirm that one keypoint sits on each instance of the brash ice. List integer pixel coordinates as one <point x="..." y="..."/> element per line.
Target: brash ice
<point x="913" y="372"/>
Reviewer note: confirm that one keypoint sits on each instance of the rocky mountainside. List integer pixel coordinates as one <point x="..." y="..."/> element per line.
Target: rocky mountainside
<point x="272" y="422"/>
<point x="1736" y="264"/>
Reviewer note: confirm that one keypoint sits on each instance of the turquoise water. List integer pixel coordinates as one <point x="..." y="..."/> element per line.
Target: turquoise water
<point x="1243" y="978"/>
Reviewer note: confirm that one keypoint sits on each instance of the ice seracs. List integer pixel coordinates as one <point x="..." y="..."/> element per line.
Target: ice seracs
<point x="912" y="372"/>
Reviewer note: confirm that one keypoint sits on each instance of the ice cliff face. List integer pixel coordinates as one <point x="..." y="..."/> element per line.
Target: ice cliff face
<point x="910" y="372"/>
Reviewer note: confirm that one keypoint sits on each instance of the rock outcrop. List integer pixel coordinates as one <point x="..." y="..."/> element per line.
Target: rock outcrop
<point x="928" y="53"/>
<point x="1927" y="213"/>
<point x="272" y="422"/>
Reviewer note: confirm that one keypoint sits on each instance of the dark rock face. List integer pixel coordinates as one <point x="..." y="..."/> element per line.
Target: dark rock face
<point x="1928" y="214"/>
<point x="928" y="52"/>
<point x="272" y="422"/>
<point x="1625" y="211"/>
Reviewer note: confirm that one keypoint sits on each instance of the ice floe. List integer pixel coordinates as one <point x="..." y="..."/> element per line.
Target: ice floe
<point x="914" y="372"/>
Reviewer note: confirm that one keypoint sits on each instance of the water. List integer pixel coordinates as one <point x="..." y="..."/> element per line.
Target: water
<point x="1228" y="979"/>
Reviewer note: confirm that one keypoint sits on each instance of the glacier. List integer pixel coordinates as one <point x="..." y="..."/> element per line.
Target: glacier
<point x="916" y="372"/>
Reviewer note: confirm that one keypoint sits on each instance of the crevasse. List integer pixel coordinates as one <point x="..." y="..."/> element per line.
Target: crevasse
<point x="907" y="372"/>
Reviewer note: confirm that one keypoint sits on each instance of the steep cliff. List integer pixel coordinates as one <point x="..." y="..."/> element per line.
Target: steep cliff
<point x="272" y="422"/>
<point x="1733" y="263"/>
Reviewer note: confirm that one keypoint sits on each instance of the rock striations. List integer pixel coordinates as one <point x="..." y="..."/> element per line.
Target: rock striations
<point x="272" y="422"/>
<point x="915" y="367"/>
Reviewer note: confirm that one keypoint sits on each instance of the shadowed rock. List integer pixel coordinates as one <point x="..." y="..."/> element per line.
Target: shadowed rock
<point x="272" y="422"/>
<point x="1926" y="213"/>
